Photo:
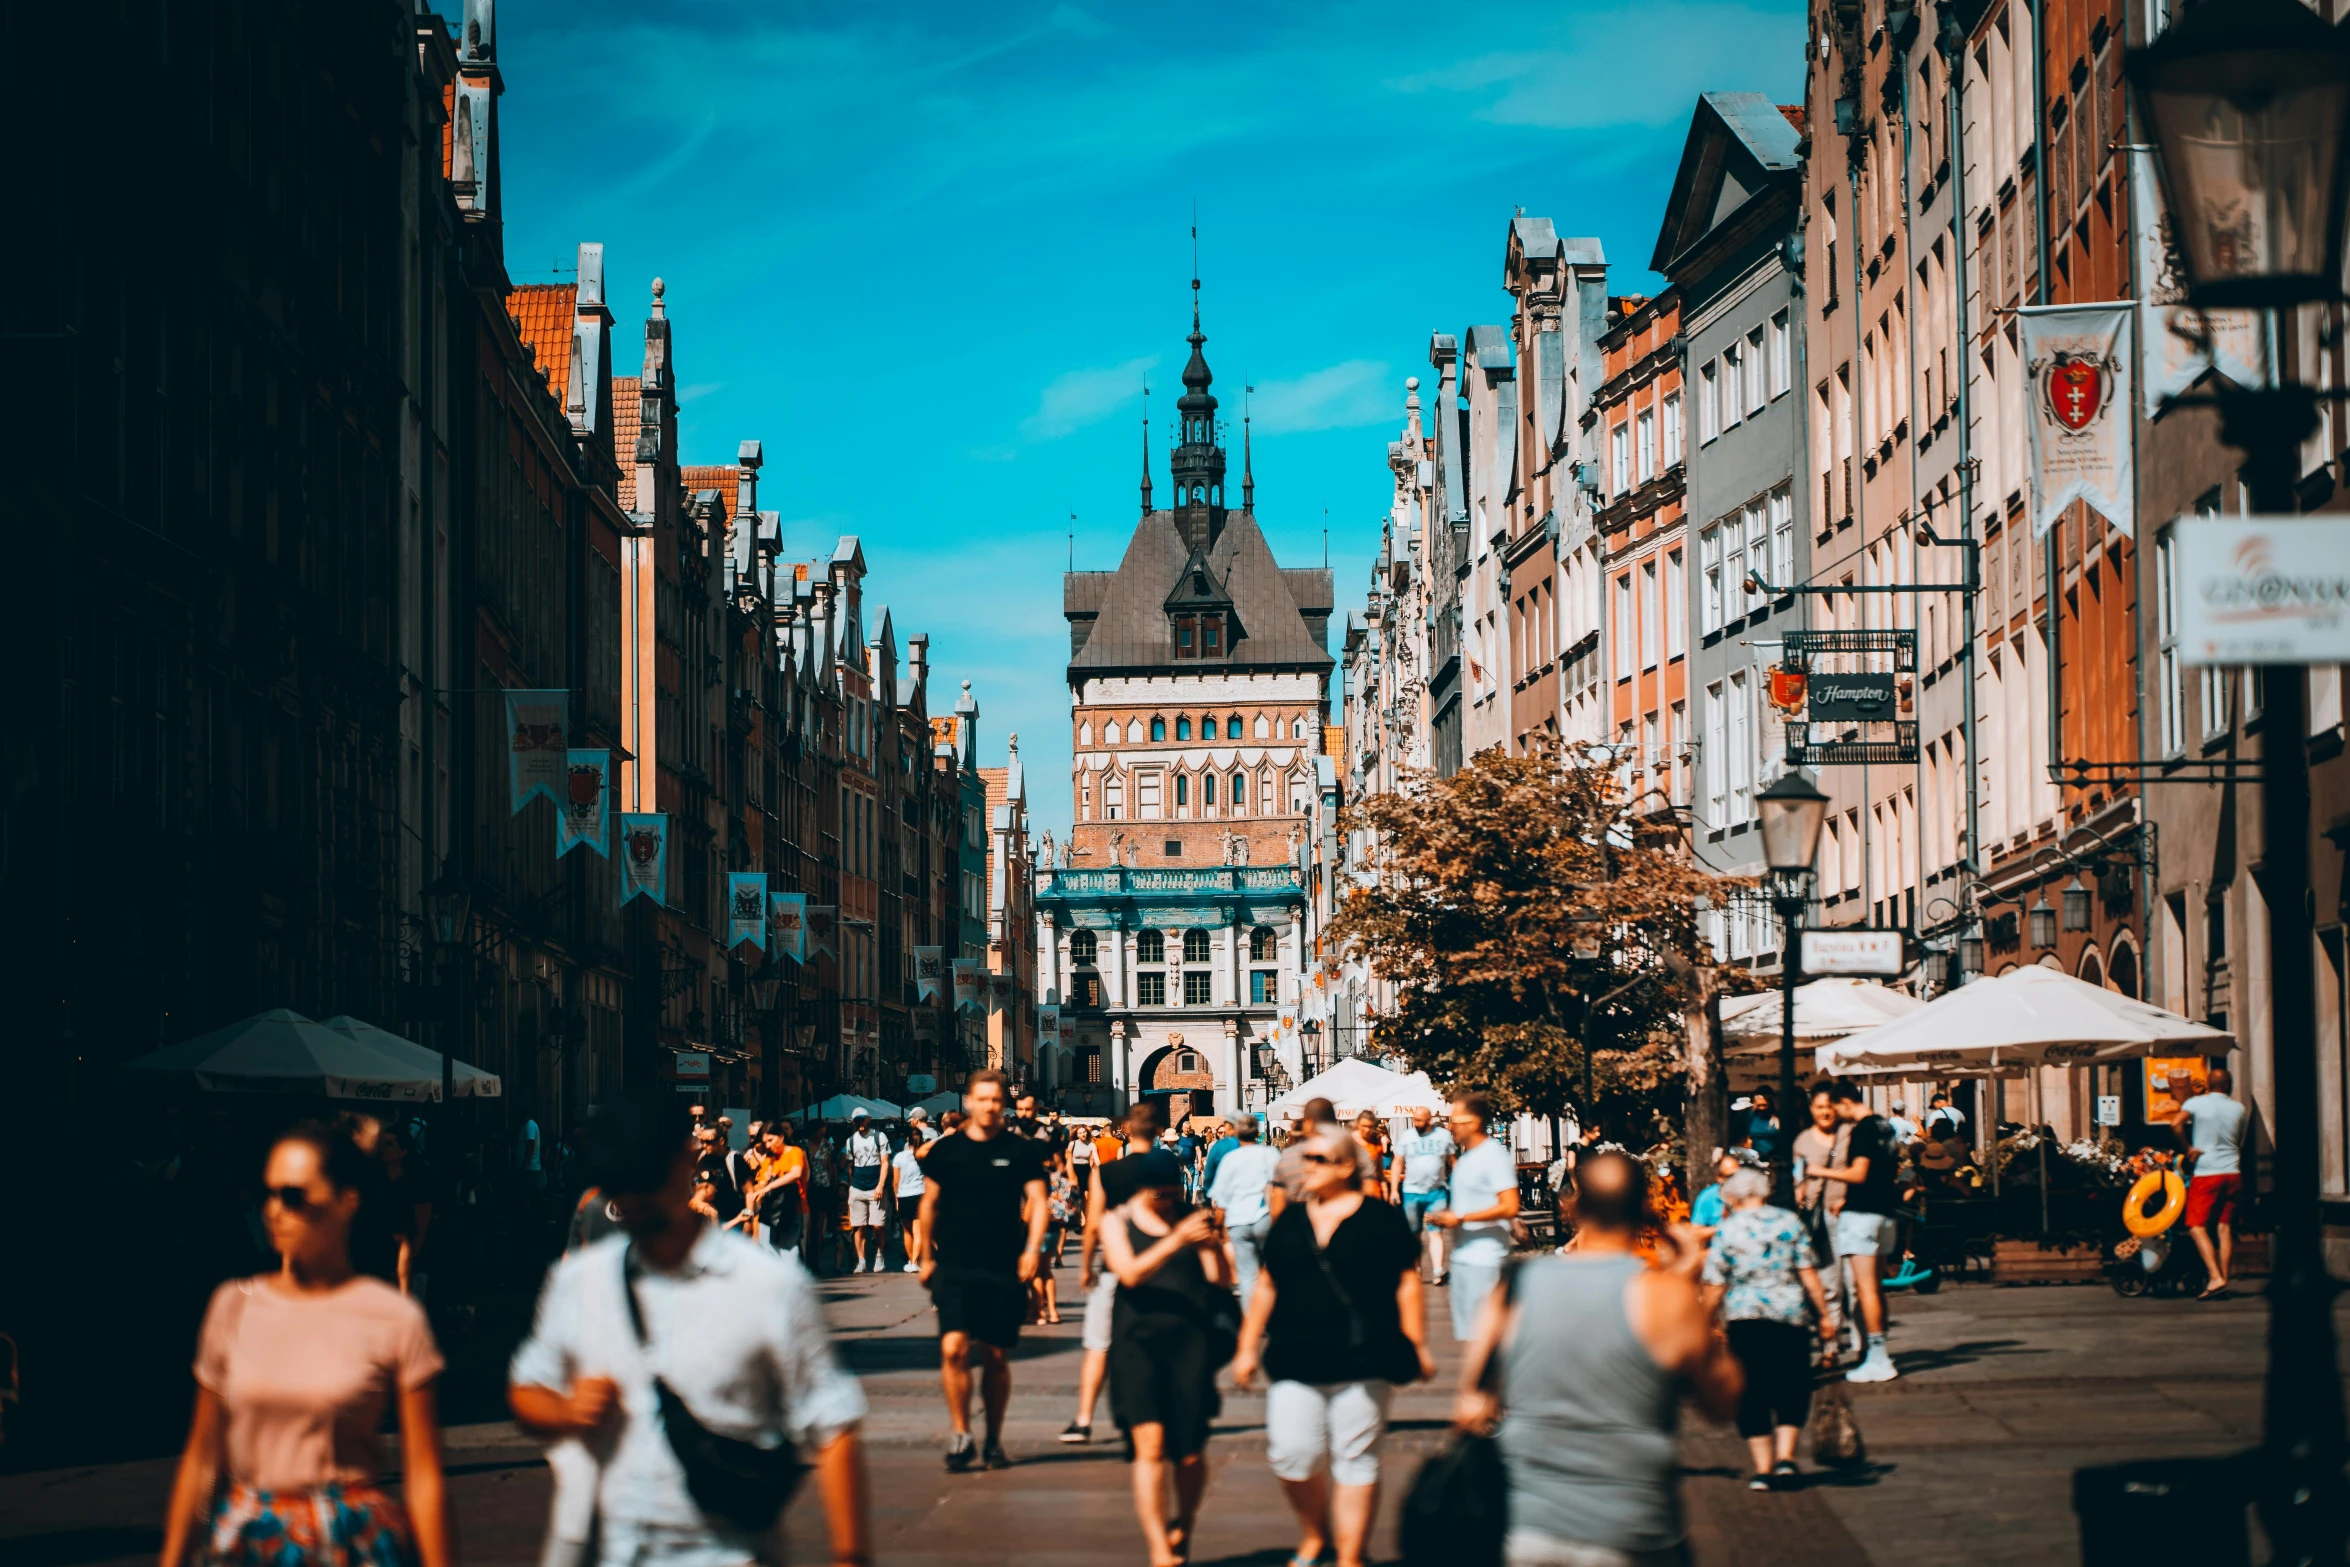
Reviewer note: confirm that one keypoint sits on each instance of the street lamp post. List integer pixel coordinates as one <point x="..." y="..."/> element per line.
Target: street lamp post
<point x="1793" y="810"/>
<point x="2248" y="104"/>
<point x="448" y="902"/>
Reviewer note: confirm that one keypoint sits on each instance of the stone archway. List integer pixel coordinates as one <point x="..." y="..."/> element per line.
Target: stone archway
<point x="1182" y="1076"/>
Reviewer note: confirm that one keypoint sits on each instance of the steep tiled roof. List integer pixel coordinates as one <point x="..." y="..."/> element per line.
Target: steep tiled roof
<point x="627" y="407"/>
<point x="545" y="312"/>
<point x="1794" y="113"/>
<point x="1133" y="632"/>
<point x="713" y="476"/>
<point x="998" y="781"/>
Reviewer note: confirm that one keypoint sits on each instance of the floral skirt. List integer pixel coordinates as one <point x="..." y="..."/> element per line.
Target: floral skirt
<point x="335" y="1525"/>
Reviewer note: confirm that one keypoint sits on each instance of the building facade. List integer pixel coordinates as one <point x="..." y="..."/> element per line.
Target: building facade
<point x="1199" y="684"/>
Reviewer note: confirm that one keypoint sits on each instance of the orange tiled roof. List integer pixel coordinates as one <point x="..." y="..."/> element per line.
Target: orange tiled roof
<point x="1333" y="740"/>
<point x="545" y="312"/>
<point x="1795" y="114"/>
<point x="713" y="476"/>
<point x="448" y="129"/>
<point x="998" y="781"/>
<point x="627" y="407"/>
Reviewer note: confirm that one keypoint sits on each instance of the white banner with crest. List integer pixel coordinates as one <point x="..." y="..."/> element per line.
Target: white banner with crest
<point x="2079" y="410"/>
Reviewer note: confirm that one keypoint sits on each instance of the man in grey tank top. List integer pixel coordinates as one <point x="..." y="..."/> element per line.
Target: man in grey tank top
<point x="1591" y="1351"/>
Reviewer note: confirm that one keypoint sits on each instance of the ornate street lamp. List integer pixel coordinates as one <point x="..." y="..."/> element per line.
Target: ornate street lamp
<point x="766" y="990"/>
<point x="2247" y="102"/>
<point x="2076" y="904"/>
<point x="2043" y="924"/>
<point x="1793" y="811"/>
<point x="1970" y="956"/>
<point x="447" y="902"/>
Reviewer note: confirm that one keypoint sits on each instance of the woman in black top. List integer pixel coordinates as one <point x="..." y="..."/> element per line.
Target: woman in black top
<point x="1163" y="1358"/>
<point x="1336" y="1320"/>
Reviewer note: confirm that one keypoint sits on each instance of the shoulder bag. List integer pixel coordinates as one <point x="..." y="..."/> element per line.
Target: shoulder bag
<point x="743" y="1485"/>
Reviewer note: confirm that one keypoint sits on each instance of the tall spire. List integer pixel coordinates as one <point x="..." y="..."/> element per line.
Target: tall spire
<point x="1248" y="472"/>
<point x="1198" y="463"/>
<point x="1146" y="451"/>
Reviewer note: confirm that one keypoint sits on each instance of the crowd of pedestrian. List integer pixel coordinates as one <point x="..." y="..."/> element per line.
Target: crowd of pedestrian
<point x="681" y="1374"/>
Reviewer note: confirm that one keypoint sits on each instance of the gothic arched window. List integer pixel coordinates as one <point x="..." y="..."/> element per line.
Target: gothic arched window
<point x="1207" y="789"/>
<point x="1182" y="728"/>
<point x="1239" y="790"/>
<point x="1195" y="946"/>
<point x="1183" y="788"/>
<point x="1232" y="727"/>
<point x="1158" y="729"/>
<point x="1207" y="727"/>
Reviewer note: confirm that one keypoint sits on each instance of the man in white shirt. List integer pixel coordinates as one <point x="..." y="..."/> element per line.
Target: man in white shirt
<point x="1238" y="1193"/>
<point x="728" y="1327"/>
<point x="1423" y="1164"/>
<point x="2212" y="1124"/>
<point x="868" y="1160"/>
<point x="1484" y="1203"/>
<point x="908" y="1181"/>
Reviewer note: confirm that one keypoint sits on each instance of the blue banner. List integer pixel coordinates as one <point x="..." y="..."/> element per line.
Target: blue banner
<point x="586" y="786"/>
<point x="644" y="856"/>
<point x="746" y="909"/>
<point x="536" y="723"/>
<point x="789" y="910"/>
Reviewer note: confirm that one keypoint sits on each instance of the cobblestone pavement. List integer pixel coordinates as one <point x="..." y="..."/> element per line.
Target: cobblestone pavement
<point x="2004" y="1393"/>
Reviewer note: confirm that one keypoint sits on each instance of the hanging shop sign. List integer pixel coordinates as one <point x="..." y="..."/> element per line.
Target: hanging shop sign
<point x="2263" y="590"/>
<point x="1853" y="711"/>
<point x="1864" y="698"/>
<point x="1879" y="953"/>
<point x="1789" y="689"/>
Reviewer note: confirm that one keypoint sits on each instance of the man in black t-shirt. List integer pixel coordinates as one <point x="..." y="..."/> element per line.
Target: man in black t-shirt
<point x="1865" y="1229"/>
<point x="983" y="1211"/>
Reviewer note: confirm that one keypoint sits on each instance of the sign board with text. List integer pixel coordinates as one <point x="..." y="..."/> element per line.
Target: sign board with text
<point x="2109" y="1109"/>
<point x="2262" y="590"/>
<point x="1868" y="698"/>
<point x="1861" y="952"/>
<point x="693" y="1066"/>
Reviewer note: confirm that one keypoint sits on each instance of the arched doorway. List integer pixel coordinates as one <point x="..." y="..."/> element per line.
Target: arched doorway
<point x="1181" y="1077"/>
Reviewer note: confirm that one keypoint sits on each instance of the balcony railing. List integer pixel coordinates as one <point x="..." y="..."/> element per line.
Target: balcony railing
<point x="1121" y="882"/>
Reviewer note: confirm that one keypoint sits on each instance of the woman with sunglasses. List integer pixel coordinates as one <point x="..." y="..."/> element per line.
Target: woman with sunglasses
<point x="1336" y="1321"/>
<point x="293" y="1370"/>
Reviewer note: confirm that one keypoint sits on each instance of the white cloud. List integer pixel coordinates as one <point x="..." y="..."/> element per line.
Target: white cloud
<point x="1076" y="398"/>
<point x="1359" y="391"/>
<point x="697" y="390"/>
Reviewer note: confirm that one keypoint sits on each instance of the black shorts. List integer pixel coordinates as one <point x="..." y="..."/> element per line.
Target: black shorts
<point x="986" y="1305"/>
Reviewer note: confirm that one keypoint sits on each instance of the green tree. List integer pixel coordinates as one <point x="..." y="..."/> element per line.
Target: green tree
<point x="1540" y="932"/>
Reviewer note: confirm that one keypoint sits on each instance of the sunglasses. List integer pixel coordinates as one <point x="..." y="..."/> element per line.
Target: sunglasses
<point x="294" y="1199"/>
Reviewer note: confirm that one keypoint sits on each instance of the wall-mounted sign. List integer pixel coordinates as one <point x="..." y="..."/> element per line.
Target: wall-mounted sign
<point x="693" y="1066"/>
<point x="2263" y="590"/>
<point x="1867" y="952"/>
<point x="1863" y="699"/>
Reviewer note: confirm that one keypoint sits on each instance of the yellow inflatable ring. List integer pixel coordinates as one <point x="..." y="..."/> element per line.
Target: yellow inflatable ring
<point x="2174" y="1201"/>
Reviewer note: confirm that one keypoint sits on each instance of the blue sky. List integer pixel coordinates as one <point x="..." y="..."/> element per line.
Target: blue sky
<point x="929" y="254"/>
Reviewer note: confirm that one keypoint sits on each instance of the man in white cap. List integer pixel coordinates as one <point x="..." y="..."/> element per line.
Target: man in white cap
<point x="1903" y="1127"/>
<point x="868" y="1153"/>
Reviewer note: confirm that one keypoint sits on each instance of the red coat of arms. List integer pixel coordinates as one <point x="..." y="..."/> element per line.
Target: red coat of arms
<point x="1790" y="690"/>
<point x="587" y="784"/>
<point x="2075" y="391"/>
<point x="643" y="848"/>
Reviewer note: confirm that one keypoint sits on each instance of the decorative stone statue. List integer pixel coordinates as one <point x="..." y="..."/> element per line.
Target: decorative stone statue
<point x="1133" y="854"/>
<point x="1044" y="851"/>
<point x="1067" y="849"/>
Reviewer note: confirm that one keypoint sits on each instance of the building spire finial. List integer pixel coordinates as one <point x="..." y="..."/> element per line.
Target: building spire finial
<point x="1146" y="449"/>
<point x="1248" y="472"/>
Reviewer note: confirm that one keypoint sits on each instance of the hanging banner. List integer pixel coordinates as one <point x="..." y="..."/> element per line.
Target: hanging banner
<point x="966" y="984"/>
<point x="999" y="992"/>
<point x="822" y="919"/>
<point x="1289" y="1050"/>
<point x="535" y="746"/>
<point x="2078" y="414"/>
<point x="1048" y="1027"/>
<point x="585" y="789"/>
<point x="644" y="856"/>
<point x="789" y="913"/>
<point x="746" y="909"/>
<point x="2177" y="344"/>
<point x="929" y="972"/>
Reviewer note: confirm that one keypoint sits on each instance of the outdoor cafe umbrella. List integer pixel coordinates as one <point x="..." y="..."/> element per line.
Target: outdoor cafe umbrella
<point x="470" y="1082"/>
<point x="841" y="1106"/>
<point x="1354" y="1085"/>
<point x="283" y="1052"/>
<point x="939" y="1103"/>
<point x="2027" y="1017"/>
<point x="1825" y="1009"/>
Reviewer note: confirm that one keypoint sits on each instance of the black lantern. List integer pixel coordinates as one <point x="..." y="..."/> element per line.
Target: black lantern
<point x="766" y="990"/>
<point x="1970" y="957"/>
<point x="448" y="902"/>
<point x="1793" y="812"/>
<point x="2043" y="923"/>
<point x="2076" y="904"/>
<point x="2247" y="102"/>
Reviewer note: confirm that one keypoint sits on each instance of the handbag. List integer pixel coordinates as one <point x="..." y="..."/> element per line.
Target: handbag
<point x="1835" y="1431"/>
<point x="741" y="1484"/>
<point x="1457" y="1512"/>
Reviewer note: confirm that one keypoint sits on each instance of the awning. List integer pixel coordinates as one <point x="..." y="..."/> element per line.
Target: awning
<point x="283" y="1052"/>
<point x="2026" y="1017"/>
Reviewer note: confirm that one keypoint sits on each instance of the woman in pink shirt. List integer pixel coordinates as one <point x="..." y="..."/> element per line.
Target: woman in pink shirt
<point x="293" y="1372"/>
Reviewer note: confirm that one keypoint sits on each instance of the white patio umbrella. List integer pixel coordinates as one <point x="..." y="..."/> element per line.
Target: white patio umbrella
<point x="939" y="1103"/>
<point x="470" y="1082"/>
<point x="841" y="1106"/>
<point x="1355" y="1085"/>
<point x="1825" y="1009"/>
<point x="2027" y="1017"/>
<point x="282" y="1052"/>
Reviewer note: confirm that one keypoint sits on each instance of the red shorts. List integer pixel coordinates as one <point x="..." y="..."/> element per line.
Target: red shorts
<point x="2211" y="1199"/>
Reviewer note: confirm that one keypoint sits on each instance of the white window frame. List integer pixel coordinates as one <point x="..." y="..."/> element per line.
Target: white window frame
<point x="1709" y="557"/>
<point x="1716" y="757"/>
<point x="1733" y="386"/>
<point x="1644" y="444"/>
<point x="1676" y="604"/>
<point x="2170" y="678"/>
<point x="1651" y="612"/>
<point x="1709" y="403"/>
<point x="1782" y="356"/>
<point x="1620" y="458"/>
<point x="1756" y="364"/>
<point x="1622" y="630"/>
<point x="1672" y="429"/>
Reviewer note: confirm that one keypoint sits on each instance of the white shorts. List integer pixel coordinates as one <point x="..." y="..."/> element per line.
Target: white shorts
<point x="1864" y="1234"/>
<point x="868" y="1210"/>
<point x="1099" y="1301"/>
<point x="1337" y="1426"/>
